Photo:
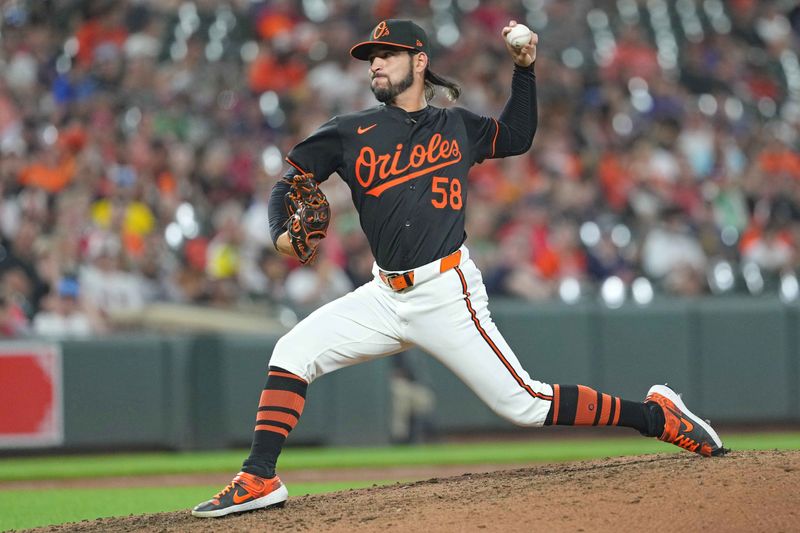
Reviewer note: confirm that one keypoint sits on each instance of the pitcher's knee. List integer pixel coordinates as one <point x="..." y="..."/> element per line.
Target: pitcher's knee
<point x="289" y="356"/>
<point x="531" y="412"/>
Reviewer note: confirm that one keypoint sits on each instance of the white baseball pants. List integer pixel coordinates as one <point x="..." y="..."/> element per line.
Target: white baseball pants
<point x="444" y="313"/>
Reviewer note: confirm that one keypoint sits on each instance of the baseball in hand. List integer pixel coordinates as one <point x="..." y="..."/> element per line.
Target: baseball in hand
<point x="519" y="36"/>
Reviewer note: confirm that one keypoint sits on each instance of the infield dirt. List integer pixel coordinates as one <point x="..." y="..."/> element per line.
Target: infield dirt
<point x="744" y="491"/>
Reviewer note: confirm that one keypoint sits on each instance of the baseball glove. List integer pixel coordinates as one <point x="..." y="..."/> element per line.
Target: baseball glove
<point x="309" y="215"/>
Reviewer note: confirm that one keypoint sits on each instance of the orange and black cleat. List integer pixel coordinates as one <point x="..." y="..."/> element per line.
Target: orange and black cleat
<point x="682" y="427"/>
<point x="245" y="493"/>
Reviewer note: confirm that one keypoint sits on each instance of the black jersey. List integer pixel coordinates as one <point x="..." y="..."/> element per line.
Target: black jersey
<point x="407" y="172"/>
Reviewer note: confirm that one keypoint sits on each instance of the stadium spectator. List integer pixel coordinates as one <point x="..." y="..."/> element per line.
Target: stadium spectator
<point x="323" y="282"/>
<point x="770" y="248"/>
<point x="13" y="322"/>
<point x="145" y="123"/>
<point x="673" y="256"/>
<point x="108" y="287"/>
<point x="62" y="317"/>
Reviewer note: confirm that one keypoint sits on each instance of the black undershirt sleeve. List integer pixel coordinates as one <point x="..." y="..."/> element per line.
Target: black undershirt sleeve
<point x="277" y="208"/>
<point x="517" y="123"/>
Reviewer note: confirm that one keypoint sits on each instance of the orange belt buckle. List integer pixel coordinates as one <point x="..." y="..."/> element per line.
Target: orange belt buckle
<point x="451" y="261"/>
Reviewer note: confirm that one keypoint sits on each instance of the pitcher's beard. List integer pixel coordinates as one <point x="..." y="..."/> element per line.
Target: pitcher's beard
<point x="386" y="95"/>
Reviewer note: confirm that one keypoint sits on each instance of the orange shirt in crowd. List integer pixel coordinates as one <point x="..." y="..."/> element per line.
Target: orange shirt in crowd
<point x="755" y="233"/>
<point x="272" y="23"/>
<point x="50" y="178"/>
<point x="614" y="181"/>
<point x="780" y="162"/>
<point x="92" y="34"/>
<point x="266" y="73"/>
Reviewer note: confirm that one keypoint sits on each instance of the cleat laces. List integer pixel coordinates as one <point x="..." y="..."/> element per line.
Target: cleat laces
<point x="225" y="491"/>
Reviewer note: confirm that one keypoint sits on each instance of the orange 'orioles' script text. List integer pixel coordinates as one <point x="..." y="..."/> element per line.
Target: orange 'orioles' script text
<point x="422" y="160"/>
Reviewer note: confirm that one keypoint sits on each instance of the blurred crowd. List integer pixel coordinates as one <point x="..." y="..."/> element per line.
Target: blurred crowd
<point x="139" y="141"/>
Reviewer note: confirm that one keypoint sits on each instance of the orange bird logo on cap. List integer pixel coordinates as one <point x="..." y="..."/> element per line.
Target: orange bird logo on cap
<point x="380" y="30"/>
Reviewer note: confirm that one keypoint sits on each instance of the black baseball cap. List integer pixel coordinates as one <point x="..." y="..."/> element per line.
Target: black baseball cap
<point x="393" y="32"/>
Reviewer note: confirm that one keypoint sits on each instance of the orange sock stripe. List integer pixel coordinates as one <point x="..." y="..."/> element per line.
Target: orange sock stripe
<point x="493" y="346"/>
<point x="274" y="429"/>
<point x="286" y="375"/>
<point x="275" y="416"/>
<point x="587" y="404"/>
<point x="618" y="405"/>
<point x="556" y="402"/>
<point x="605" y="414"/>
<point x="282" y="398"/>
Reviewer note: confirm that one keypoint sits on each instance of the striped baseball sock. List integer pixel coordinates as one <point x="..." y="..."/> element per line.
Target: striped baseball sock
<point x="279" y="409"/>
<point x="578" y="405"/>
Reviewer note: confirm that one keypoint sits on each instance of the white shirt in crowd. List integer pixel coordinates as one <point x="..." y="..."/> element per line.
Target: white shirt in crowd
<point x="49" y="324"/>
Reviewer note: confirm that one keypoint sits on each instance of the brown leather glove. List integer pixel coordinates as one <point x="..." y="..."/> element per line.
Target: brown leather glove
<point x="309" y="215"/>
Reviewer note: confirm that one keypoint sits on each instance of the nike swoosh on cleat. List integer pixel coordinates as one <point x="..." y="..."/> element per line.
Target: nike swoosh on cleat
<point x="362" y="130"/>
<point x="237" y="498"/>
<point x="686" y="423"/>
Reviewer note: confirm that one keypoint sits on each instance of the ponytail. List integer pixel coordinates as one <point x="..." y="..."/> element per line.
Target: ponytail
<point x="452" y="89"/>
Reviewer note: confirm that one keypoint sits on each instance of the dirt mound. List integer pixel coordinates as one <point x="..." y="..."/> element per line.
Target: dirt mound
<point x="752" y="491"/>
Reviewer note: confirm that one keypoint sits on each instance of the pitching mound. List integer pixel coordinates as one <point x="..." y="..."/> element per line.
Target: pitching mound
<point x="752" y="491"/>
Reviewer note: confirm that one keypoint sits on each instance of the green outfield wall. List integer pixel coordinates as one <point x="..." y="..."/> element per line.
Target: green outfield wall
<point x="734" y="359"/>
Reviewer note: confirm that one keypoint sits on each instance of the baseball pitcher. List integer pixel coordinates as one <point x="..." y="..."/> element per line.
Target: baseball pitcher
<point x="406" y="163"/>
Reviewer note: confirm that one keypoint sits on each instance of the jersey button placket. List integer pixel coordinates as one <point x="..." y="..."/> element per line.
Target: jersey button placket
<point x="406" y="151"/>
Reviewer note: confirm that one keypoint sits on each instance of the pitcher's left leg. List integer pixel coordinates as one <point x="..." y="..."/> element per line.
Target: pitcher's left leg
<point x="450" y="320"/>
<point x="461" y="334"/>
<point x="476" y="352"/>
